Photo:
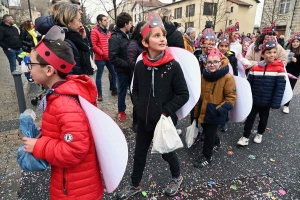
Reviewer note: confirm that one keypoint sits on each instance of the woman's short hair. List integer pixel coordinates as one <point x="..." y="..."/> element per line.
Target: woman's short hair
<point x="65" y="13"/>
<point x="189" y="30"/>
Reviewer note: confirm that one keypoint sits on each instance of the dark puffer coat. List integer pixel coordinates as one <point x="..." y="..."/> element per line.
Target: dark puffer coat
<point x="268" y="84"/>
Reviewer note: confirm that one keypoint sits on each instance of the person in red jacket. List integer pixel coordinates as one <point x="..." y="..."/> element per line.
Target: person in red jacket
<point x="66" y="142"/>
<point x="100" y="36"/>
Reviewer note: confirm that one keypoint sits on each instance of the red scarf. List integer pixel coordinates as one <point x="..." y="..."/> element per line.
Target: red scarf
<point x="167" y="57"/>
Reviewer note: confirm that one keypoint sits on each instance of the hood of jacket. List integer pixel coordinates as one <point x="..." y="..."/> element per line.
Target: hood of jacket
<point x="76" y="85"/>
<point x="170" y="28"/>
<point x="44" y="23"/>
<point x="224" y="69"/>
<point x="166" y="58"/>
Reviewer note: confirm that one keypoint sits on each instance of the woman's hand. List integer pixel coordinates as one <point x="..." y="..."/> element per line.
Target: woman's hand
<point x="247" y="66"/>
<point x="82" y="32"/>
<point x="29" y="144"/>
<point x="294" y="59"/>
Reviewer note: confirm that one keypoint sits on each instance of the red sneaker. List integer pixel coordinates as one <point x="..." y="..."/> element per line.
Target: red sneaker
<point x="122" y="116"/>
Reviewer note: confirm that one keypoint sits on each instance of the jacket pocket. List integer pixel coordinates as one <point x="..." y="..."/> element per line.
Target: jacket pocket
<point x="64" y="181"/>
<point x="215" y="116"/>
<point x="154" y="111"/>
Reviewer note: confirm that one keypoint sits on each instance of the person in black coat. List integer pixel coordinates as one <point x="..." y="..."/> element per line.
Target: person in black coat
<point x="117" y="50"/>
<point x="293" y="67"/>
<point x="134" y="49"/>
<point x="174" y="37"/>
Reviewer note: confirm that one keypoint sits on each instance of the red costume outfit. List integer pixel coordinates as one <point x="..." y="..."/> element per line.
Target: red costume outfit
<point x="67" y="142"/>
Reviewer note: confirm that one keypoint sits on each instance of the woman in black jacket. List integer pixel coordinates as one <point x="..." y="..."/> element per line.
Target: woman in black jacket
<point x="134" y="49"/>
<point x="68" y="16"/>
<point x="29" y="40"/>
<point x="293" y="65"/>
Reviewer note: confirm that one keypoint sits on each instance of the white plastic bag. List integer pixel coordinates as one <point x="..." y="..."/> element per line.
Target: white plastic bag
<point x="191" y="134"/>
<point x="165" y="138"/>
<point x="24" y="68"/>
<point x="93" y="64"/>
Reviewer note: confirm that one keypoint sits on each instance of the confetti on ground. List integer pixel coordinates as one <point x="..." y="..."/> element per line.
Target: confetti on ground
<point x="233" y="187"/>
<point x="144" y="193"/>
<point x="283" y="192"/>
<point x="212" y="182"/>
<point x="268" y="129"/>
<point x="177" y="198"/>
<point x="272" y="160"/>
<point x="251" y="157"/>
<point x="281" y="136"/>
<point x="230" y="153"/>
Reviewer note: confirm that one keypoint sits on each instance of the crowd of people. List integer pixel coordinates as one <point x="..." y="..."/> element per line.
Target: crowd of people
<point x="64" y="67"/>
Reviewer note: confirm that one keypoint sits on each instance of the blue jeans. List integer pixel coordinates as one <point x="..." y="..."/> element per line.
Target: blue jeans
<point x="100" y="65"/>
<point x="12" y="55"/>
<point x="123" y="83"/>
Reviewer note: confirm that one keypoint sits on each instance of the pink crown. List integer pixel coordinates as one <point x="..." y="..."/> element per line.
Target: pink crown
<point x="207" y="34"/>
<point x="246" y="39"/>
<point x="224" y="38"/>
<point x="270" y="29"/>
<point x="268" y="44"/>
<point x="234" y="28"/>
<point x="215" y="52"/>
<point x="153" y="21"/>
<point x="295" y="36"/>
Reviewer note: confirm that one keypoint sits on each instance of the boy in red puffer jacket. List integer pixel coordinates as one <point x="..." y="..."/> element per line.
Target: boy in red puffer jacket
<point x="267" y="81"/>
<point x="66" y="143"/>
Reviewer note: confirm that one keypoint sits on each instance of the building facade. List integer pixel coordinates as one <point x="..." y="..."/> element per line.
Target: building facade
<point x="222" y="13"/>
<point x="4" y="8"/>
<point x="286" y="15"/>
<point x="21" y="14"/>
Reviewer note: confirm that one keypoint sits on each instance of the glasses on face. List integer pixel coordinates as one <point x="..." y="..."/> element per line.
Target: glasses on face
<point x="29" y="64"/>
<point x="213" y="63"/>
<point x="211" y="44"/>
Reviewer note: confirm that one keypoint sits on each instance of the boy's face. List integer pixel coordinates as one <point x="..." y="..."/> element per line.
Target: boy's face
<point x="210" y="45"/>
<point x="38" y="73"/>
<point x="157" y="40"/>
<point x="269" y="55"/>
<point x="245" y="46"/>
<point x="213" y="63"/>
<point x="223" y="47"/>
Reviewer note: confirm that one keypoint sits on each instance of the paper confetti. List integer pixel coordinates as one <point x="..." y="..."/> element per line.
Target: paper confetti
<point x="144" y="193"/>
<point x="283" y="192"/>
<point x="251" y="157"/>
<point x="233" y="187"/>
<point x="272" y="160"/>
<point x="212" y="182"/>
<point x="177" y="198"/>
<point x="230" y="153"/>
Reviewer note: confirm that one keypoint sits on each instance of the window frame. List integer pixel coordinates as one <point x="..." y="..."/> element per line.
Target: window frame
<point x="209" y="8"/>
<point x="285" y="8"/>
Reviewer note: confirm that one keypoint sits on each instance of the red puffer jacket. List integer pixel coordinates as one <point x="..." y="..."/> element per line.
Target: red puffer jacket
<point x="100" y="43"/>
<point x="67" y="143"/>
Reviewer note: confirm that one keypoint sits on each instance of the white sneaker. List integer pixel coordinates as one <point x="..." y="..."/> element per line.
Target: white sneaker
<point x="243" y="141"/>
<point x="286" y="110"/>
<point x="257" y="138"/>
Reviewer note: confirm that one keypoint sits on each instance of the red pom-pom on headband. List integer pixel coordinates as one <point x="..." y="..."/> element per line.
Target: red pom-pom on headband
<point x="53" y="59"/>
<point x="215" y="52"/>
<point x="153" y="20"/>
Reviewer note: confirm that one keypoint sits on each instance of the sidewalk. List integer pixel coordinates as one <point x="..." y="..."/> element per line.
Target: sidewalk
<point x="9" y="134"/>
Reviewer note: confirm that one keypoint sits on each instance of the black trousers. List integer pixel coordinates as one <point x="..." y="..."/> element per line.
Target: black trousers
<point x="293" y="83"/>
<point x="211" y="139"/>
<point x="143" y="141"/>
<point x="263" y="120"/>
<point x="134" y="115"/>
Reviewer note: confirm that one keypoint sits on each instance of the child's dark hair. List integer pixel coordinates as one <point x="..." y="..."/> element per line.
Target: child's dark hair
<point x="296" y="51"/>
<point x="136" y="34"/>
<point x="60" y="49"/>
<point x="263" y="52"/>
<point x="122" y="19"/>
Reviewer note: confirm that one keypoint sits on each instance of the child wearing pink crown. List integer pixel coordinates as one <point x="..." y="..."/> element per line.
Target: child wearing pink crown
<point x="218" y="95"/>
<point x="267" y="81"/>
<point x="66" y="143"/>
<point x="159" y="88"/>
